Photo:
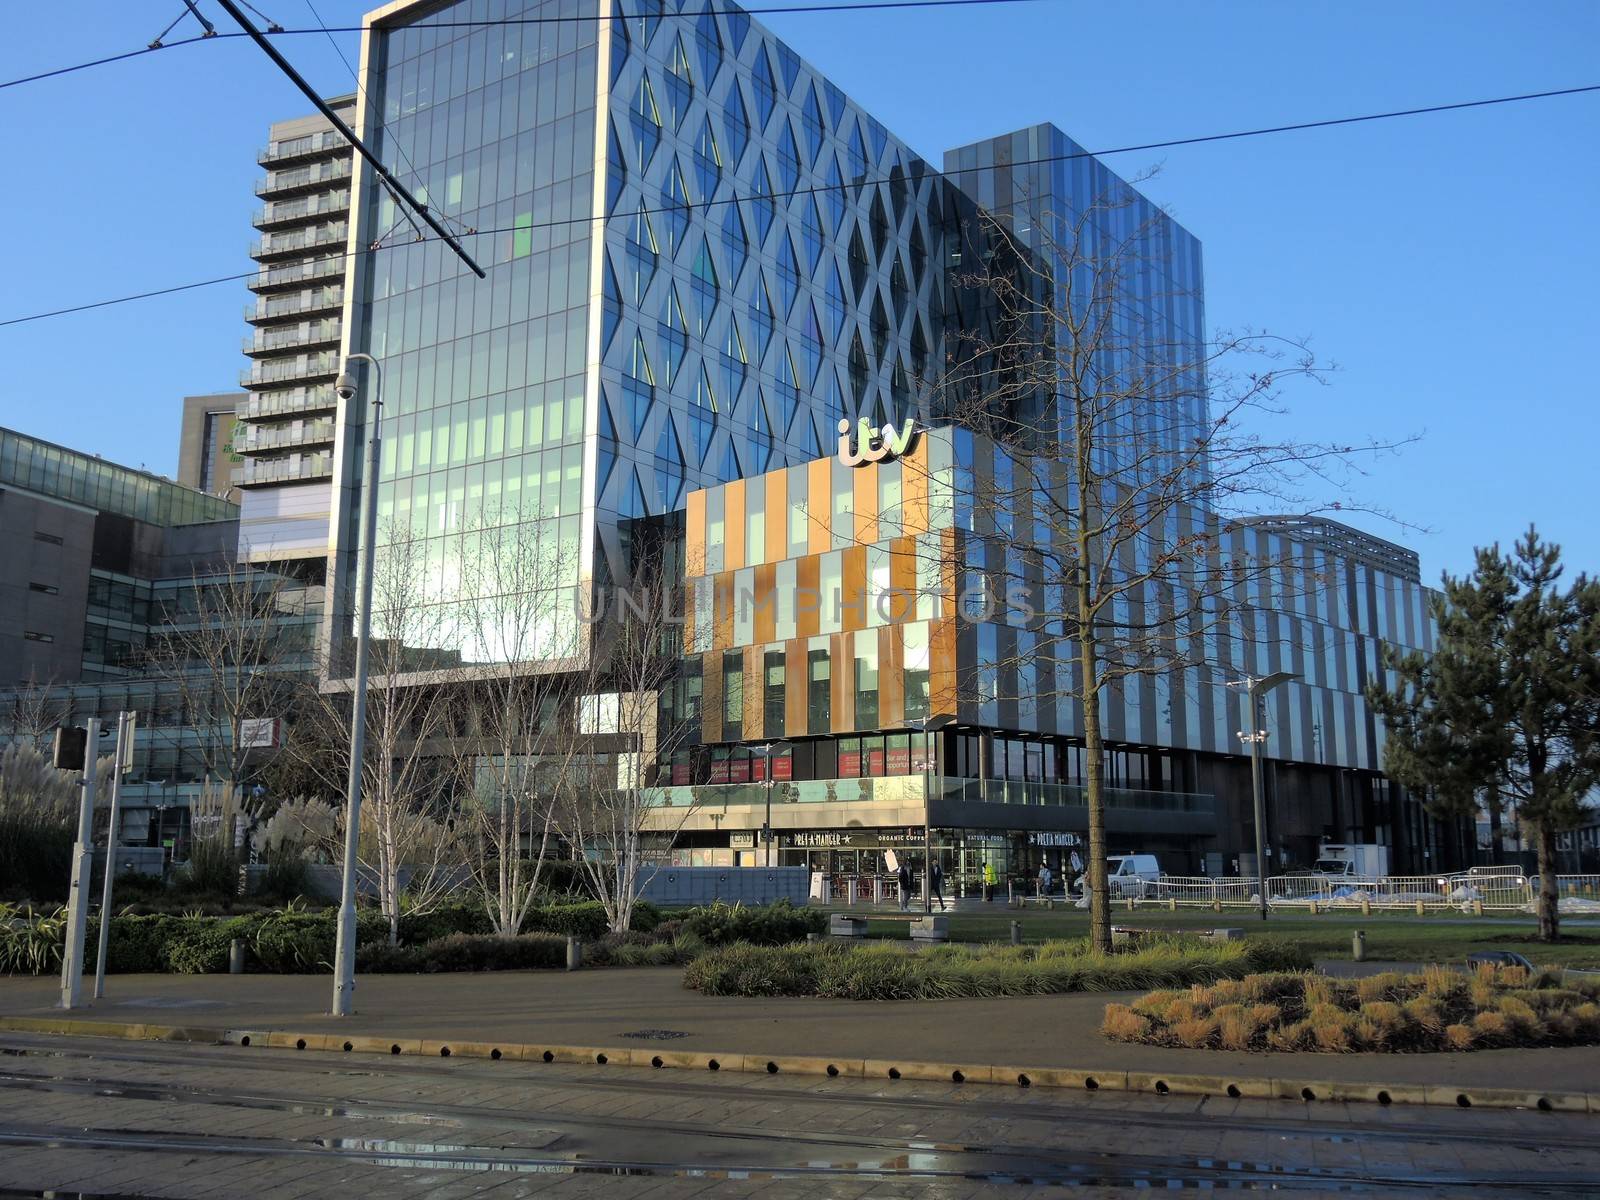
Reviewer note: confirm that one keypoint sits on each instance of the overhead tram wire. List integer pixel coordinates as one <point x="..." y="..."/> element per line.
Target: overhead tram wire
<point x="845" y="186"/>
<point x="338" y="122"/>
<point x="859" y="6"/>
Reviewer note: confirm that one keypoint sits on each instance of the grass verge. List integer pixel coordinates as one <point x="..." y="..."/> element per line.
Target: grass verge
<point x="1435" y="1010"/>
<point x="884" y="971"/>
<point x="1438" y="937"/>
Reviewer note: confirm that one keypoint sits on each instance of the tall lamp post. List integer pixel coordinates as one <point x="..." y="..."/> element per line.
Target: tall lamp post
<point x="344" y="955"/>
<point x="1254" y="688"/>
<point x="928" y="726"/>
<point x="766" y="827"/>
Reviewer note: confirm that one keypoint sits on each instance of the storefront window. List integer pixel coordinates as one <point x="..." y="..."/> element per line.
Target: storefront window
<point x="898" y="754"/>
<point x="849" y="758"/>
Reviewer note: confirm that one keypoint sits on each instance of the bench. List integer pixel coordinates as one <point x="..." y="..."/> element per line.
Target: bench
<point x="920" y="928"/>
<point x="1122" y="935"/>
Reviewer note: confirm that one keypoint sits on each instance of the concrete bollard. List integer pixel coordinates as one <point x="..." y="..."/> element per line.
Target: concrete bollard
<point x="236" y="957"/>
<point x="1016" y="933"/>
<point x="1314" y="909"/>
<point x="1172" y="906"/>
<point x="1358" y="946"/>
<point x="1366" y="908"/>
<point x="1216" y="906"/>
<point x="574" y="953"/>
<point x="1477" y="908"/>
<point x="1422" y="910"/>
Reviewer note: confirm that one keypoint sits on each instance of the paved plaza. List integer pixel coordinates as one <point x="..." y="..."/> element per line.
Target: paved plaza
<point x="603" y="1008"/>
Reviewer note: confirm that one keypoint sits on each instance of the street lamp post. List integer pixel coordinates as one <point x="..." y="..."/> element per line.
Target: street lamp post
<point x="344" y="965"/>
<point x="766" y="827"/>
<point x="1255" y="687"/>
<point x="926" y="726"/>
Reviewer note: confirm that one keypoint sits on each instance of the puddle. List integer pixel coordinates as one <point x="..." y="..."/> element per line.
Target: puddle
<point x="1207" y="1175"/>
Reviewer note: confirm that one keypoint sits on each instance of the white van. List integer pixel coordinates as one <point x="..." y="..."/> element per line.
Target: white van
<point x="1130" y="874"/>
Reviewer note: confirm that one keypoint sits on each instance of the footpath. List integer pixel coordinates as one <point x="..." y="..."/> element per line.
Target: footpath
<point x="644" y="1017"/>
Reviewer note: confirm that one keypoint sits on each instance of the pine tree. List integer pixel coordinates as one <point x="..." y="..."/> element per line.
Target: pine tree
<point x="1508" y="702"/>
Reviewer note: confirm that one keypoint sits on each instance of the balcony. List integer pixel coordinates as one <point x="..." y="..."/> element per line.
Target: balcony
<point x="283" y="308"/>
<point x="293" y="468"/>
<point x="259" y="438"/>
<point x="277" y="371"/>
<point x="294" y="337"/>
<point x="303" y="179"/>
<point x="297" y="212"/>
<point x="300" y="241"/>
<point x="288" y="402"/>
<point x="274" y="279"/>
<point x="302" y="149"/>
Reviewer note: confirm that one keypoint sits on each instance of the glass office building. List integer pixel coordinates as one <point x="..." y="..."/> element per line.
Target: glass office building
<point x="700" y="258"/>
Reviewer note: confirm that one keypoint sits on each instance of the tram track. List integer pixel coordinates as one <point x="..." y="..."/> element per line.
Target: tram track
<point x="1085" y="1111"/>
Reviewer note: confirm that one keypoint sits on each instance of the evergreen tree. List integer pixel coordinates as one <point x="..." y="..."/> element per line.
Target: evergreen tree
<point x="1508" y="702"/>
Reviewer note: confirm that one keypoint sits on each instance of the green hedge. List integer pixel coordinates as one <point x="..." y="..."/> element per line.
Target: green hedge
<point x="292" y="942"/>
<point x="467" y="952"/>
<point x="890" y="971"/>
<point x="775" y="924"/>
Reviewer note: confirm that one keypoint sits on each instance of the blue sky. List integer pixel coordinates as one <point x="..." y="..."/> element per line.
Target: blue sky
<point x="1447" y="263"/>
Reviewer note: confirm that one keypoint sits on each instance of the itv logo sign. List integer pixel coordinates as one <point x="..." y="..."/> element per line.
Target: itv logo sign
<point x="874" y="445"/>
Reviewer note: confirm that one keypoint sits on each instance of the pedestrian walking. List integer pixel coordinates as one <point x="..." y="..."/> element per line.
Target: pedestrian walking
<point x="902" y="877"/>
<point x="1044" y="879"/>
<point x="936" y="883"/>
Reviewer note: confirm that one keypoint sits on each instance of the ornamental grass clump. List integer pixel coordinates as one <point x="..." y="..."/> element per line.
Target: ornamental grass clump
<point x="1437" y="1010"/>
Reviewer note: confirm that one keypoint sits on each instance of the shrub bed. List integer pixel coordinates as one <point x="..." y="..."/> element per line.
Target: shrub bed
<point x="1437" y="1010"/>
<point x="888" y="971"/>
<point x="282" y="941"/>
<point x="775" y="924"/>
<point x="527" y="952"/>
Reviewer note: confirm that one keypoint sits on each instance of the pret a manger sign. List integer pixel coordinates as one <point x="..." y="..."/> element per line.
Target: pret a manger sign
<point x="874" y="445"/>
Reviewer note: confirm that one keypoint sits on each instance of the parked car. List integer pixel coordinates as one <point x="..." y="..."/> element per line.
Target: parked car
<point x="1496" y="958"/>
<point x="1130" y="875"/>
<point x="1347" y="860"/>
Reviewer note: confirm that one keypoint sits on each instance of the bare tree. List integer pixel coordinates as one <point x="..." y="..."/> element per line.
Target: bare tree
<point x="520" y="611"/>
<point x="625" y="720"/>
<point x="32" y="711"/>
<point x="409" y="841"/>
<point x="228" y="648"/>
<point x="1110" y="520"/>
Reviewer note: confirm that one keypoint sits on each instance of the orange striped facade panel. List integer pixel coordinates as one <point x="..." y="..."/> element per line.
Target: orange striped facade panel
<point x="843" y="693"/>
<point x="694" y="541"/>
<point x="819" y="505"/>
<point x="765" y="603"/>
<point x="891" y="676"/>
<point x="777" y="515"/>
<point x="711" y="696"/>
<point x="808" y="600"/>
<point x="853" y="599"/>
<point x="942" y="666"/>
